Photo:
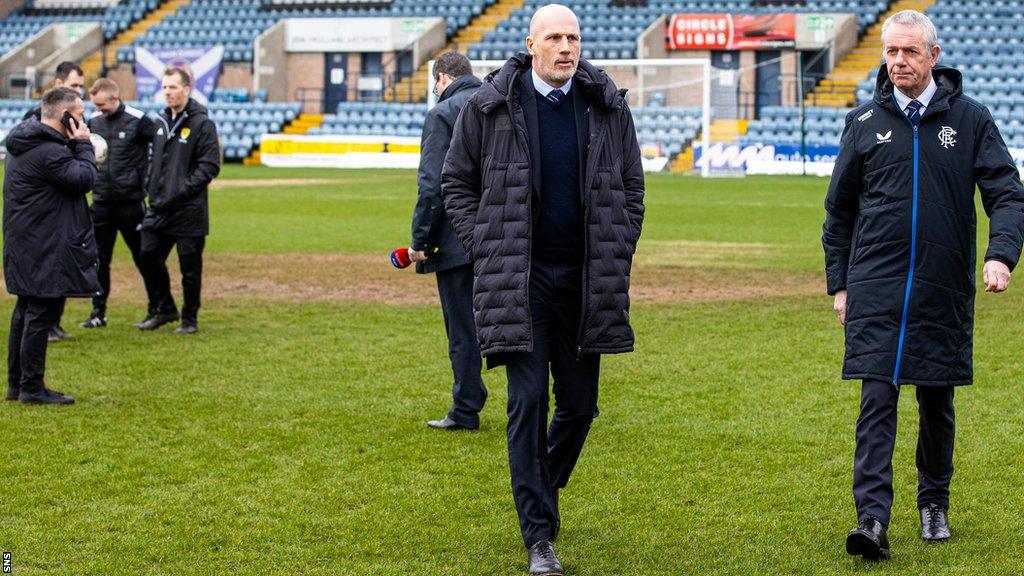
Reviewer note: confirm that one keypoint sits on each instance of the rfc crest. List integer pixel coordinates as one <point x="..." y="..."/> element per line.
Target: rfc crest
<point x="946" y="137"/>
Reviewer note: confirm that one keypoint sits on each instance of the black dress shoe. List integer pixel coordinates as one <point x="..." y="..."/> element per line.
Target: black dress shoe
<point x="157" y="320"/>
<point x="934" y="523"/>
<point x="543" y="561"/>
<point x="868" y="540"/>
<point x="61" y="333"/>
<point x="187" y="327"/>
<point x="13" y="392"/>
<point x="44" y="396"/>
<point x="448" y="424"/>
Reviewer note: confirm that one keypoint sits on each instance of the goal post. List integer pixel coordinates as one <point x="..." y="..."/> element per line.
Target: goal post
<point x="670" y="99"/>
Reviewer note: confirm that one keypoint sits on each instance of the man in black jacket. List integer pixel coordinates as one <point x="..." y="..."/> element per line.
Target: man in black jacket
<point x="186" y="158"/>
<point x="67" y="75"/>
<point x="436" y="248"/>
<point x="899" y="238"/>
<point x="49" y="248"/>
<point x="544" y="186"/>
<point x="117" y="199"/>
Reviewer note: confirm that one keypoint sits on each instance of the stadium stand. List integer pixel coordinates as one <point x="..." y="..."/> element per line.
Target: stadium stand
<point x="25" y="22"/>
<point x="610" y="31"/>
<point x="236" y="23"/>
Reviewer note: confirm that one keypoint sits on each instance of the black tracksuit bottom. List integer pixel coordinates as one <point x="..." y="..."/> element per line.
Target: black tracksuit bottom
<point x="156" y="247"/>
<point x="542" y="456"/>
<point x="876" y="439"/>
<point x="109" y="218"/>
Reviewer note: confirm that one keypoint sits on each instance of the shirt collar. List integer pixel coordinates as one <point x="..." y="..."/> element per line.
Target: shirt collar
<point x="543" y="88"/>
<point x="925" y="97"/>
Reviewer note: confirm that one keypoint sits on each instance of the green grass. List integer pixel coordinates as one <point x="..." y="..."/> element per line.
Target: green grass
<point x="290" y="438"/>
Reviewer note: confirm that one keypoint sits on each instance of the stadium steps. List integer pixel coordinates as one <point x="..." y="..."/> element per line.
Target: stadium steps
<point x="722" y="130"/>
<point x="300" y="125"/>
<point x="92" y="65"/>
<point x="413" y="88"/>
<point x="839" y="88"/>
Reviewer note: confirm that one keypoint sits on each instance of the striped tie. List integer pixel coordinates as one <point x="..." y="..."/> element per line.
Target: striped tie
<point x="914" y="112"/>
<point x="555" y="96"/>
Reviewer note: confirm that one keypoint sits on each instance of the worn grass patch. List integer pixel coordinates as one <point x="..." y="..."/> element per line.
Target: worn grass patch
<point x="288" y="436"/>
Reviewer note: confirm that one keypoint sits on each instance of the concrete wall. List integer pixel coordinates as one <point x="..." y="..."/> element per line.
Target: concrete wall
<point x="270" y="63"/>
<point x="36" y="58"/>
<point x="7" y="6"/>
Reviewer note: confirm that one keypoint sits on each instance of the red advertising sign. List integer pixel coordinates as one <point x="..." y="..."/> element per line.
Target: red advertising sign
<point x="731" y="31"/>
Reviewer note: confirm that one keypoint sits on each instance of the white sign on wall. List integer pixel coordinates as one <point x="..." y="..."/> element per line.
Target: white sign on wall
<point x="353" y="34"/>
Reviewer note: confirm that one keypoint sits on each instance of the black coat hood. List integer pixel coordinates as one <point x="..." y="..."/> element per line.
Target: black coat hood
<point x="30" y="134"/>
<point x="950" y="83"/>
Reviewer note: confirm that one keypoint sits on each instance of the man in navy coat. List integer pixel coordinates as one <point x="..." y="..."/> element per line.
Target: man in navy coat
<point x="899" y="237"/>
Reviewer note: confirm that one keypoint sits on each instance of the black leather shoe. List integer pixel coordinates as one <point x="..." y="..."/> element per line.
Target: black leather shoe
<point x="543" y="561"/>
<point x="447" y="423"/>
<point x="44" y="396"/>
<point x="187" y="327"/>
<point x="934" y="523"/>
<point x="13" y="392"/>
<point x="157" y="320"/>
<point x="868" y="540"/>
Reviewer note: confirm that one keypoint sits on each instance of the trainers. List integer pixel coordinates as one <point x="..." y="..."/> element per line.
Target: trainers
<point x="44" y="396"/>
<point x="157" y="320"/>
<point x="96" y="320"/>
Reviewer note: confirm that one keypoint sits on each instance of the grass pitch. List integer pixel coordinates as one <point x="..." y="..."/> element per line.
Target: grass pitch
<point x="289" y="437"/>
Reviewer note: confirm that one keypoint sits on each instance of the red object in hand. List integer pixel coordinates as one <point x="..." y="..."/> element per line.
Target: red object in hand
<point x="400" y="258"/>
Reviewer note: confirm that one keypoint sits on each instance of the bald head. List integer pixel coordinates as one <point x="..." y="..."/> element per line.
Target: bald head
<point x="554" y="43"/>
<point x="552" y="14"/>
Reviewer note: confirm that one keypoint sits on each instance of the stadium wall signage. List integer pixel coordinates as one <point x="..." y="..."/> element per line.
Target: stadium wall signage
<point x="353" y="34"/>
<point x="731" y="31"/>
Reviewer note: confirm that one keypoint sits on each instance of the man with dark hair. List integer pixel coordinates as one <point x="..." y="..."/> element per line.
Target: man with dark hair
<point x="185" y="159"/>
<point x="67" y="75"/>
<point x="544" y="185"/>
<point x="900" y="250"/>
<point x="117" y="198"/>
<point x="436" y="248"/>
<point x="49" y="248"/>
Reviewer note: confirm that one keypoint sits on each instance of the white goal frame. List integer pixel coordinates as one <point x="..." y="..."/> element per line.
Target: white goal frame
<point x="704" y="63"/>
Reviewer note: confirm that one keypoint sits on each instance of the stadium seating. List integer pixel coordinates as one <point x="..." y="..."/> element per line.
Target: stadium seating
<point x="672" y="128"/>
<point x="781" y="125"/>
<point x="611" y="32"/>
<point x="237" y="23"/>
<point x="984" y="40"/>
<point x="239" y="124"/>
<point x="24" y="23"/>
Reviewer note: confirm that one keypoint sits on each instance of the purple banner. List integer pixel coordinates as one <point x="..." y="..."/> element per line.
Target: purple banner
<point x="203" y="62"/>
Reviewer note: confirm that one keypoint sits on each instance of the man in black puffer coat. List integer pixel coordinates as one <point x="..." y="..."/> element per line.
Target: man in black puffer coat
<point x="436" y="248"/>
<point x="899" y="238"/>
<point x="186" y="158"/>
<point x="544" y="185"/>
<point x="49" y="247"/>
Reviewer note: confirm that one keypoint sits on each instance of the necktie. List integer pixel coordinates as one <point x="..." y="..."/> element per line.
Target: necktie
<point x="914" y="112"/>
<point x="555" y="96"/>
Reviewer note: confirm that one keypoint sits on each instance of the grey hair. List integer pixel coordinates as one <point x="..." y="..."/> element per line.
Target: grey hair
<point x="56" y="101"/>
<point x="914" y="19"/>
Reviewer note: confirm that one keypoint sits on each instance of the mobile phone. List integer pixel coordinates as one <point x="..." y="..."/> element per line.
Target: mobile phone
<point x="69" y="121"/>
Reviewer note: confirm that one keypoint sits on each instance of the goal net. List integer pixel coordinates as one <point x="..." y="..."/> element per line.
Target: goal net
<point x="672" y="105"/>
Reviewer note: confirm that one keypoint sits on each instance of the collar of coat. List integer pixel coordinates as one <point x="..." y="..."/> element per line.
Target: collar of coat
<point x="502" y="85"/>
<point x="467" y="82"/>
<point x="949" y="81"/>
<point x="193" y="108"/>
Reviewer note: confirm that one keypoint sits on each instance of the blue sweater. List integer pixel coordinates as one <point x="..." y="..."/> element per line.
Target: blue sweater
<point x="558" y="229"/>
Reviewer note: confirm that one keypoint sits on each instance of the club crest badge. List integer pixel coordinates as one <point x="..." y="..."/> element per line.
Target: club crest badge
<point x="946" y="137"/>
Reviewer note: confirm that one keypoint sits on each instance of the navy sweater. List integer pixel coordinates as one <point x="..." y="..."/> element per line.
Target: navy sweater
<point x="558" y="229"/>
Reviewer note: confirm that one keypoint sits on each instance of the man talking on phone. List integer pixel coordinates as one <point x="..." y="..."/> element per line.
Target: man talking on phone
<point x="49" y="246"/>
